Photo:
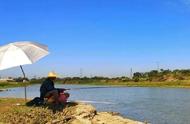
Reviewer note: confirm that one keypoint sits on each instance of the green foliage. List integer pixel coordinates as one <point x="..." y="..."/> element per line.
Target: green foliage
<point x="153" y="78"/>
<point x="162" y="75"/>
<point x="4" y="85"/>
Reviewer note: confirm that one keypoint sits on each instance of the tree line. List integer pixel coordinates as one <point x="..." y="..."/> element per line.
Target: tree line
<point x="151" y="76"/>
<point x="162" y="75"/>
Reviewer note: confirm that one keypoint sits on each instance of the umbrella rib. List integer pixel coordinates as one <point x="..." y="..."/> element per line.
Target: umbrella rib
<point x="33" y="45"/>
<point x="37" y="48"/>
<point x="25" y="54"/>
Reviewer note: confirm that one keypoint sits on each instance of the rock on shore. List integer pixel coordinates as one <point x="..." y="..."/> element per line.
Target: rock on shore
<point x="87" y="114"/>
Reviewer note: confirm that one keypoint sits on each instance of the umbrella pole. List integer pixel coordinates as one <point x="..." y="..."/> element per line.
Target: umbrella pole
<point x="24" y="82"/>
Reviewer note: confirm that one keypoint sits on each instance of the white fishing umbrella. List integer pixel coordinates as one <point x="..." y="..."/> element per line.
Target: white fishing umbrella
<point x="21" y="53"/>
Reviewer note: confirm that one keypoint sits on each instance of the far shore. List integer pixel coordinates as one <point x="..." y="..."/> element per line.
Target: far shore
<point x="174" y="84"/>
<point x="6" y="85"/>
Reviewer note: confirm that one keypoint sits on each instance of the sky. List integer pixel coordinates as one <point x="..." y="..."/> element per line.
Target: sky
<point x="99" y="37"/>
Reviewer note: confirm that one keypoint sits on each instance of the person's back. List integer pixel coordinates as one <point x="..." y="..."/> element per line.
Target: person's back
<point x="46" y="86"/>
<point x="47" y="89"/>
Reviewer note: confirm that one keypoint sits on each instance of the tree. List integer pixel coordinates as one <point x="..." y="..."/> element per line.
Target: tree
<point x="137" y="76"/>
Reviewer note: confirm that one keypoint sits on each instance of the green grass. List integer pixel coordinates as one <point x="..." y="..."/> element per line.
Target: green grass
<point x="11" y="113"/>
<point x="4" y="85"/>
<point x="173" y="84"/>
<point x="177" y="84"/>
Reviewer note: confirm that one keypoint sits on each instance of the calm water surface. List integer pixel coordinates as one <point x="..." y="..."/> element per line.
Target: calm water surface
<point x="155" y="105"/>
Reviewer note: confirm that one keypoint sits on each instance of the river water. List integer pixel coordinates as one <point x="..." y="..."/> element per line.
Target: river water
<point x="155" y="105"/>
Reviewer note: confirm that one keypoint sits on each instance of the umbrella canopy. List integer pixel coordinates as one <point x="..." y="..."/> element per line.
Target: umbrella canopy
<point x="21" y="53"/>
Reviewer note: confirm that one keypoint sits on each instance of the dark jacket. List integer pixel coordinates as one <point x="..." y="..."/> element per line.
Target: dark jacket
<point x="47" y="85"/>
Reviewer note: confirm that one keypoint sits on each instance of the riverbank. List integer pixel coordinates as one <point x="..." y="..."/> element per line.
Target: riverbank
<point x="14" y="111"/>
<point x="5" y="85"/>
<point x="172" y="84"/>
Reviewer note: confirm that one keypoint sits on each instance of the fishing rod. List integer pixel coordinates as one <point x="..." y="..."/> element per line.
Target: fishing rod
<point x="81" y="88"/>
<point x="95" y="102"/>
<point x="86" y="88"/>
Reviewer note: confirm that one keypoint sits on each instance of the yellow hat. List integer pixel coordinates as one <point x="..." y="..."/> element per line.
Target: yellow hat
<point x="52" y="74"/>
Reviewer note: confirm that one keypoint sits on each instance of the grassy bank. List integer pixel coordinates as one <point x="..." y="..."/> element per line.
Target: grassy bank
<point x="177" y="84"/>
<point x="173" y="84"/>
<point x="14" y="111"/>
<point x="5" y="85"/>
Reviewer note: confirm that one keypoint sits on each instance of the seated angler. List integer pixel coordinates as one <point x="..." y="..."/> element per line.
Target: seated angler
<point x="53" y="95"/>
